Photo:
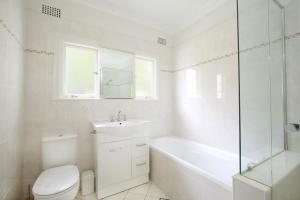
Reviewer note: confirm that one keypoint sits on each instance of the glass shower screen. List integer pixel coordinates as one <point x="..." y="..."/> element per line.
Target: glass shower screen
<point x="261" y="64"/>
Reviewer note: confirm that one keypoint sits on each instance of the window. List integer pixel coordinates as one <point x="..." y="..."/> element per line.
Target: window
<point x="145" y="69"/>
<point x="93" y="72"/>
<point x="81" y="77"/>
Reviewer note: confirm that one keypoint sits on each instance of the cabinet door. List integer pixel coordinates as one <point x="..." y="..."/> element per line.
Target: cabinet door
<point x="114" y="161"/>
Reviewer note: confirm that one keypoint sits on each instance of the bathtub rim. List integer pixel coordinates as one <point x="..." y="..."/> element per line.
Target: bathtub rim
<point x="198" y="170"/>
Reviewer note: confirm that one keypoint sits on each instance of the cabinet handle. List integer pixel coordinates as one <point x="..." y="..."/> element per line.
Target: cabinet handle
<point x="140" y="145"/>
<point x="141" y="164"/>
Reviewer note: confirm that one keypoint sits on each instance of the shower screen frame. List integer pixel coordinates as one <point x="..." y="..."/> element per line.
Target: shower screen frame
<point x="284" y="87"/>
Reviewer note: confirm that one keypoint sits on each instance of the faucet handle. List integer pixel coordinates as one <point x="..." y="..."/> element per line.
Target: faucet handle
<point x="112" y="118"/>
<point x="291" y="127"/>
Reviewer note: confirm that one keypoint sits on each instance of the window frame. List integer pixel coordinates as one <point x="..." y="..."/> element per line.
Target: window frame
<point x="154" y="78"/>
<point x="63" y="89"/>
<point x="60" y="76"/>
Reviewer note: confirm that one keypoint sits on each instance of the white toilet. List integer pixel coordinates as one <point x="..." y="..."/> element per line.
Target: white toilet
<point x="60" y="178"/>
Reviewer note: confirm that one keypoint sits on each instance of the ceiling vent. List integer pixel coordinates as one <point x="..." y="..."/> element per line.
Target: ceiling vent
<point x="51" y="11"/>
<point x="162" y="41"/>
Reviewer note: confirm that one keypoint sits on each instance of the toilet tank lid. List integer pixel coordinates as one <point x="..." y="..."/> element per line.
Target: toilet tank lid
<point x="58" y="137"/>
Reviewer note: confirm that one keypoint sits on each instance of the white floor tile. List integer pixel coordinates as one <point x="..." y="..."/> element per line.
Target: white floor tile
<point x="119" y="196"/>
<point x="77" y="197"/>
<point x="89" y="197"/>
<point x="131" y="196"/>
<point x="155" y="192"/>
<point x="147" y="191"/>
<point x="142" y="189"/>
<point x="153" y="198"/>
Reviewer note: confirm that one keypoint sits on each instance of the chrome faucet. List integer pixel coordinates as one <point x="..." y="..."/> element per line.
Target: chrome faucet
<point x="112" y="118"/>
<point x="119" y="116"/>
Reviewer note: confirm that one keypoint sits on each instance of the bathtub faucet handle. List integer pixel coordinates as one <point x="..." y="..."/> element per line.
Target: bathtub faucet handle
<point x="250" y="166"/>
<point x="112" y="118"/>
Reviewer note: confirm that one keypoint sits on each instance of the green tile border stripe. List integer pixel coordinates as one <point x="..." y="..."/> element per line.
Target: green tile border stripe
<point x="48" y="53"/>
<point x="289" y="37"/>
<point x="9" y="31"/>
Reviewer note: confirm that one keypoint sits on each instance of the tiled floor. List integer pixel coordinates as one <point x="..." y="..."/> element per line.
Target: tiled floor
<point x="147" y="191"/>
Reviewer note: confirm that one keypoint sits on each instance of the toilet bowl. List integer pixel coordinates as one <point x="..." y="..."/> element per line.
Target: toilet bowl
<point x="60" y="177"/>
<point x="59" y="183"/>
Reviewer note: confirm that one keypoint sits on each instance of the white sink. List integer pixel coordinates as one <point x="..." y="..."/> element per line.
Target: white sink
<point x="107" y="131"/>
<point x="108" y="124"/>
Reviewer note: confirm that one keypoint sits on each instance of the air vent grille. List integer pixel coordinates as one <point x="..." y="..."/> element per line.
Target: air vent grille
<point x="51" y="11"/>
<point x="162" y="41"/>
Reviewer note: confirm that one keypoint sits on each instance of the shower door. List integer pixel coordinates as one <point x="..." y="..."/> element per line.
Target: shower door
<point x="261" y="63"/>
<point x="269" y="46"/>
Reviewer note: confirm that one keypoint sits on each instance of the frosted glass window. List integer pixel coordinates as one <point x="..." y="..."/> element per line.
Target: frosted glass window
<point x="145" y="78"/>
<point x="81" y="72"/>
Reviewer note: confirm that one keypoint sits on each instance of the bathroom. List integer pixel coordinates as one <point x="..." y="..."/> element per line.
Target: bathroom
<point x="199" y="99"/>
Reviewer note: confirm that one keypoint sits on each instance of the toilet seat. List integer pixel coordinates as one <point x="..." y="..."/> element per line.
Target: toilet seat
<point x="56" y="181"/>
<point x="68" y="194"/>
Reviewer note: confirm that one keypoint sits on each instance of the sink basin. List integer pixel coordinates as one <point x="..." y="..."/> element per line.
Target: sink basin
<point x="108" y="124"/>
<point x="107" y="131"/>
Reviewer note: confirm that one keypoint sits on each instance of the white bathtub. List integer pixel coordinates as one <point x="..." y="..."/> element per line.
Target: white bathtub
<point x="187" y="170"/>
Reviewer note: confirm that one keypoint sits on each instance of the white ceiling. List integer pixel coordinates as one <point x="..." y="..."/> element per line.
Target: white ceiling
<point x="169" y="16"/>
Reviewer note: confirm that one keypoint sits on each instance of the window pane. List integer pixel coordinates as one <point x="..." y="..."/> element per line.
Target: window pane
<point x="144" y="78"/>
<point x="81" y="63"/>
<point x="117" y="73"/>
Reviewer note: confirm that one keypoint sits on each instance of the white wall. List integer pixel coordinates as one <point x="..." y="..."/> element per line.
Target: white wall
<point x="11" y="98"/>
<point x="46" y="116"/>
<point x="213" y="43"/>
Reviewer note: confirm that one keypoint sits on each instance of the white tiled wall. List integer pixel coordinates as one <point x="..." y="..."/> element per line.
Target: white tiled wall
<point x="207" y="118"/>
<point x="11" y="98"/>
<point x="48" y="116"/>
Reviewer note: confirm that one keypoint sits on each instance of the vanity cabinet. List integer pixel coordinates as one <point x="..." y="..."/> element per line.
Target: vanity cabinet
<point x="114" y="161"/>
<point x="121" y="165"/>
<point x="121" y="161"/>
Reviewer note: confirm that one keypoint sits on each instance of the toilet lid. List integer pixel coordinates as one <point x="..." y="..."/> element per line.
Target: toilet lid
<point x="56" y="180"/>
